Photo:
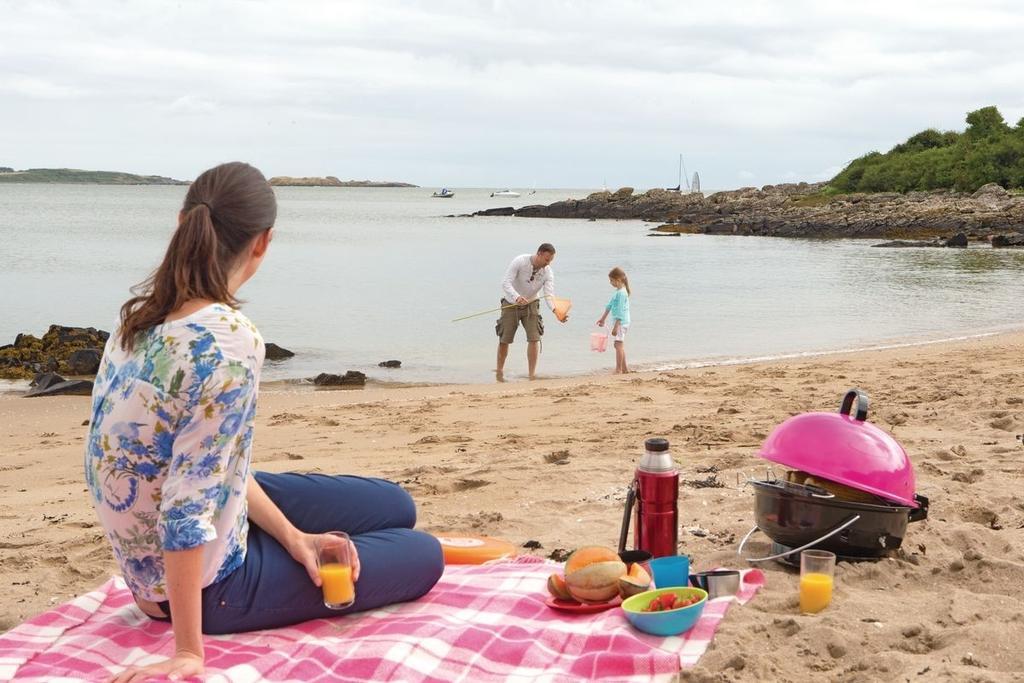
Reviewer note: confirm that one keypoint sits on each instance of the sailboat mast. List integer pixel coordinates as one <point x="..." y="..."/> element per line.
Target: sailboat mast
<point x="679" y="182"/>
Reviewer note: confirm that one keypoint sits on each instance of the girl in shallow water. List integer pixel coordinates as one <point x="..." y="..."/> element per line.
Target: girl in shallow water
<point x="618" y="309"/>
<point x="202" y="540"/>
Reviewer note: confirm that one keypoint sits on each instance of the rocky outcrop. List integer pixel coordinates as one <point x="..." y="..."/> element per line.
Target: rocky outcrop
<point x="500" y="211"/>
<point x="52" y="384"/>
<point x="901" y="244"/>
<point x="804" y="210"/>
<point x="957" y="241"/>
<point x="332" y="181"/>
<point x="275" y="352"/>
<point x="84" y="362"/>
<point x="1008" y="241"/>
<point x="71" y="350"/>
<point x="352" y="378"/>
<point x="390" y="364"/>
<point x="655" y="205"/>
<point x="45" y="379"/>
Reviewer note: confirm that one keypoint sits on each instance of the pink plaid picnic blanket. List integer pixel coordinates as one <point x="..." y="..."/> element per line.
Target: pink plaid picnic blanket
<point x="480" y="623"/>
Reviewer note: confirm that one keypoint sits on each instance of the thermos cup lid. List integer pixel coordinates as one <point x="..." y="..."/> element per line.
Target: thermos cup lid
<point x="656" y="445"/>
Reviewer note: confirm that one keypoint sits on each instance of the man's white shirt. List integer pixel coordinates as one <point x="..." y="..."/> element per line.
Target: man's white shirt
<point x="518" y="282"/>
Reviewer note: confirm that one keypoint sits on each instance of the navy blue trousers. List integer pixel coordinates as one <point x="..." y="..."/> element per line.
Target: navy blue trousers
<point x="270" y="589"/>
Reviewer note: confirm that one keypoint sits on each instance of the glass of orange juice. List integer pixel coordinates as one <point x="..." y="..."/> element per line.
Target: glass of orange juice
<point x="334" y="561"/>
<point x="817" y="569"/>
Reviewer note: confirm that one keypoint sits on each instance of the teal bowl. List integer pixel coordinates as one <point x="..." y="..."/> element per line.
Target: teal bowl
<point x="668" y="623"/>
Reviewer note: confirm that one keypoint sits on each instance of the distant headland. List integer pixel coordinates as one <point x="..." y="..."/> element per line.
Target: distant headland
<point x="79" y="177"/>
<point x="331" y="181"/>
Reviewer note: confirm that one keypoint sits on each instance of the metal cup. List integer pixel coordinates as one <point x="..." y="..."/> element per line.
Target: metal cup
<point x="718" y="583"/>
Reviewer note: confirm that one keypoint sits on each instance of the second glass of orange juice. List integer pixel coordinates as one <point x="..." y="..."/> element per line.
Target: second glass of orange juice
<point x="817" y="567"/>
<point x="334" y="560"/>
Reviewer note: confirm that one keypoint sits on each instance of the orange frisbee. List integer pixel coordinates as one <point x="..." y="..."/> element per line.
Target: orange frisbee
<point x="466" y="549"/>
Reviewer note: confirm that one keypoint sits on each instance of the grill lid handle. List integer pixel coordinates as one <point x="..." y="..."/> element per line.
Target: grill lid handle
<point x="921" y="511"/>
<point x="862" y="404"/>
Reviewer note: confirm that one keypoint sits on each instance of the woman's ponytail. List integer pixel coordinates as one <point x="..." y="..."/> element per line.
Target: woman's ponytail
<point x="224" y="209"/>
<point x="195" y="264"/>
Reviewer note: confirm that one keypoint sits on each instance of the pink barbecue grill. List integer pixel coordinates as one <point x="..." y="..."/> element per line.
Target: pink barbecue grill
<point x="863" y="494"/>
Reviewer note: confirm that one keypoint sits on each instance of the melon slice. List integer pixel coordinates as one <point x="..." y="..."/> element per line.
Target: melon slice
<point x="557" y="587"/>
<point x="589" y="554"/>
<point x="596" y="582"/>
<point x="636" y="581"/>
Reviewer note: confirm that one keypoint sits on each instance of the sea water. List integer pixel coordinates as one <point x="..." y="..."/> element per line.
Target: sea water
<point x="358" y="276"/>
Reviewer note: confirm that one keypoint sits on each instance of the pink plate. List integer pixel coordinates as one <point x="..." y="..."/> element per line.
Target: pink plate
<point x="581" y="607"/>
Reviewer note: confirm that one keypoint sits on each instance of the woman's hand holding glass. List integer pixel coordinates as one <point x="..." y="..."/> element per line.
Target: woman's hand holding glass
<point x="304" y="549"/>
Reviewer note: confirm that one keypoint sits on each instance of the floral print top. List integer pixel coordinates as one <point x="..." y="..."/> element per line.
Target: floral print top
<point x="167" y="457"/>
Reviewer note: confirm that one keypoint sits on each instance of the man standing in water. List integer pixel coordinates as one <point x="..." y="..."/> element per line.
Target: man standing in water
<point x="526" y="278"/>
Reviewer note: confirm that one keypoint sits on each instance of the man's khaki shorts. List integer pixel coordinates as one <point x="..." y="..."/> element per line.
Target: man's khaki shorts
<point x="511" y="317"/>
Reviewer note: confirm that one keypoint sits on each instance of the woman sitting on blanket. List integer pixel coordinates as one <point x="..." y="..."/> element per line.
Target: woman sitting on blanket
<point x="202" y="540"/>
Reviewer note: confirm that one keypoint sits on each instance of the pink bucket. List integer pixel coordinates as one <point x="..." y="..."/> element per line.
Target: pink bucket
<point x="598" y="341"/>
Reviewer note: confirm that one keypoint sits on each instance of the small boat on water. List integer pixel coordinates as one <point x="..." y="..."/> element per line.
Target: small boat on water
<point x="445" y="193"/>
<point x="505" y="193"/>
<point x="693" y="186"/>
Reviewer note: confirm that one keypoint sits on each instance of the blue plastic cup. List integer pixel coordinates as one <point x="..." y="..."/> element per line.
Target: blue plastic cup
<point x="671" y="571"/>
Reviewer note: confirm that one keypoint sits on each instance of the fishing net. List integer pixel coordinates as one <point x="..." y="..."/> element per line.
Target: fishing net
<point x="561" y="308"/>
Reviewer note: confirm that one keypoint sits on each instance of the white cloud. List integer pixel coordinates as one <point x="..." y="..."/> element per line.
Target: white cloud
<point x="32" y="87"/>
<point x="560" y="92"/>
<point x="191" y="104"/>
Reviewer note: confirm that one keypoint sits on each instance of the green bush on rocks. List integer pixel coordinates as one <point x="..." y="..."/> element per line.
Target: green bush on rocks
<point x="988" y="151"/>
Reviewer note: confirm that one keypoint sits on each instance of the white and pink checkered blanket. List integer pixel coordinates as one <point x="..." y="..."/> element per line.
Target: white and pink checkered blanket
<point x="480" y="623"/>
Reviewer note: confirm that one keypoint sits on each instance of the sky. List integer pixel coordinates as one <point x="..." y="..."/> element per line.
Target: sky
<point x="531" y="93"/>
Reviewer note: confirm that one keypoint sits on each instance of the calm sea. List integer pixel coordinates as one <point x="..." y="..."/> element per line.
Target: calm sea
<point x="359" y="276"/>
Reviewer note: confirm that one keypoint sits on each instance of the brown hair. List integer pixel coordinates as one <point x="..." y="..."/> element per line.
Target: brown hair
<point x="224" y="209"/>
<point x="619" y="274"/>
<point x="546" y="247"/>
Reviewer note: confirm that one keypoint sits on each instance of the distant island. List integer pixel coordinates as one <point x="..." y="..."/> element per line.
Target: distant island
<point x="79" y="177"/>
<point x="331" y="181"/>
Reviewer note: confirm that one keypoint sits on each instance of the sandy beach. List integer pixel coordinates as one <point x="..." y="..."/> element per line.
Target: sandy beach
<point x="549" y="461"/>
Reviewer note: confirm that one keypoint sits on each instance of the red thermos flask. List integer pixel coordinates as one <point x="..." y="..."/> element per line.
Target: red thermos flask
<point x="654" y="496"/>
